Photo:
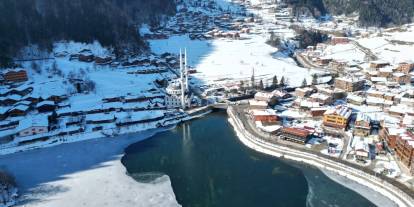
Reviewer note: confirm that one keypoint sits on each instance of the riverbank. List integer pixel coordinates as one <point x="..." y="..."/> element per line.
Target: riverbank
<point x="372" y="195"/>
<point x="87" y="173"/>
<point x="372" y="182"/>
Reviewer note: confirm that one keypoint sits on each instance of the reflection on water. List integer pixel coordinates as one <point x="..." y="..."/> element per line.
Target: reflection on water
<point x="209" y="167"/>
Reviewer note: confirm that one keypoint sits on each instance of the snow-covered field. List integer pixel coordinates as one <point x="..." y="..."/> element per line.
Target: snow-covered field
<point x="344" y="52"/>
<point x="233" y="60"/>
<point x="394" y="47"/>
<point x="85" y="173"/>
<point x="109" y="81"/>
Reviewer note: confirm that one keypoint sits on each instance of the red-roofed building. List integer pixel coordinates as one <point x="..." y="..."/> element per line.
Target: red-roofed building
<point x="295" y="134"/>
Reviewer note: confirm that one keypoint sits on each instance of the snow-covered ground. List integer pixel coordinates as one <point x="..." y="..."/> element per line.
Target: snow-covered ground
<point x="85" y="173"/>
<point x="226" y="60"/>
<point x="344" y="52"/>
<point x="109" y="81"/>
<point x="394" y="47"/>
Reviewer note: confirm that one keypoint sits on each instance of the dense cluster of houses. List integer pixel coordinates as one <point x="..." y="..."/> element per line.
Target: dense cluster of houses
<point x="267" y="119"/>
<point x="373" y="101"/>
<point x="87" y="56"/>
<point x="42" y="119"/>
<point x="38" y="112"/>
<point x="390" y="99"/>
<point x="204" y="24"/>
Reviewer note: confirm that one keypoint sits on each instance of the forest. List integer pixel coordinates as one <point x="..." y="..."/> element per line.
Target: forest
<point x="371" y="12"/>
<point x="111" y="22"/>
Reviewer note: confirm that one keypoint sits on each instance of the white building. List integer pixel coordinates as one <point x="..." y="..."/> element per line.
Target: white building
<point x="179" y="89"/>
<point x="31" y="126"/>
<point x="172" y="102"/>
<point x="174" y="88"/>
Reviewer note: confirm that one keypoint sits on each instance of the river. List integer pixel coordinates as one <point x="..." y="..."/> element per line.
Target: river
<point x="209" y="167"/>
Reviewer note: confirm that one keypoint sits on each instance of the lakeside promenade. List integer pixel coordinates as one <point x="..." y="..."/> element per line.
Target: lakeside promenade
<point x="395" y="191"/>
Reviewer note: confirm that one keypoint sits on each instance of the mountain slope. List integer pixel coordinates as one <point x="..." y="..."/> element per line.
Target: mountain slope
<point x="111" y="22"/>
<point x="372" y="12"/>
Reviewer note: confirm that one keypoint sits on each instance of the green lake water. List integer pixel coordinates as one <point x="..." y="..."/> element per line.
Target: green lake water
<point x="209" y="167"/>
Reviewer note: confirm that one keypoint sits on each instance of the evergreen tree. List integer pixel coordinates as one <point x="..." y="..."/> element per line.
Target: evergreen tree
<point x="274" y="82"/>
<point x="314" y="79"/>
<point x="304" y="83"/>
<point x="261" y="86"/>
<point x="113" y="23"/>
<point x="282" y="81"/>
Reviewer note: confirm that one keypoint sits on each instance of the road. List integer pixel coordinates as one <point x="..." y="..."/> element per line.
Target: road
<point x="365" y="50"/>
<point x="274" y="139"/>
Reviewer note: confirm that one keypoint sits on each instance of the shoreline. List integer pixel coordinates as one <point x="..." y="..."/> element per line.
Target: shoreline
<point x="375" y="184"/>
<point x="83" y="136"/>
<point x="373" y="196"/>
<point x="154" y="193"/>
<point x="86" y="173"/>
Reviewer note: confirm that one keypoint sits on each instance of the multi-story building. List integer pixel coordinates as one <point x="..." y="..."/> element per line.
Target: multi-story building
<point x="32" y="126"/>
<point x="264" y="116"/>
<point x="362" y="125"/>
<point x="268" y="97"/>
<point x="401" y="78"/>
<point x="295" y="134"/>
<point x="349" y="84"/>
<point x="404" y="148"/>
<point x="321" y="98"/>
<point x="386" y="71"/>
<point x="337" y="117"/>
<point x="355" y="99"/>
<point x="389" y="134"/>
<point x="405" y="67"/>
<point x="378" y="64"/>
<point x="303" y="92"/>
<point x="254" y="104"/>
<point x="339" y="40"/>
<point x="172" y="102"/>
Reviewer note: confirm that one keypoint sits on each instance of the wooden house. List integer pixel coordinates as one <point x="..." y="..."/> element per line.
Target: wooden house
<point x="15" y="75"/>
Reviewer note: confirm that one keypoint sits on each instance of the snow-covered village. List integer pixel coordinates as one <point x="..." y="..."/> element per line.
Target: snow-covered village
<point x="324" y="92"/>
